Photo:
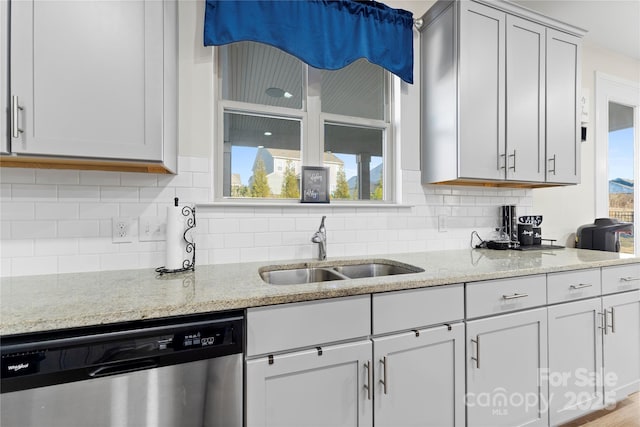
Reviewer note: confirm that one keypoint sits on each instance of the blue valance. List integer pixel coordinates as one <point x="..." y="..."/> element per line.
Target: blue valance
<point x="326" y="34"/>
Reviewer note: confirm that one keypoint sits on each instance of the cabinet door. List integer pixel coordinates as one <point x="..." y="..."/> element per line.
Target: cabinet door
<point x="481" y="92"/>
<point x="4" y="75"/>
<point x="506" y="360"/>
<point x="563" y="126"/>
<point x="525" y="100"/>
<point x="621" y="345"/>
<point x="575" y="359"/>
<point x="420" y="378"/>
<point x="88" y="76"/>
<point x="310" y="389"/>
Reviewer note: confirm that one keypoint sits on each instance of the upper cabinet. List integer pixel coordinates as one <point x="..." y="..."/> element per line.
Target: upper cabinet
<point x="4" y="74"/>
<point x="499" y="96"/>
<point x="94" y="81"/>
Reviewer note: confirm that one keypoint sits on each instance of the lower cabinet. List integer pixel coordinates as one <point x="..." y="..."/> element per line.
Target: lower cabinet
<point x="594" y="354"/>
<point x="575" y="359"/>
<point x="621" y="375"/>
<point x="419" y="378"/>
<point x="328" y="386"/>
<point x="506" y="359"/>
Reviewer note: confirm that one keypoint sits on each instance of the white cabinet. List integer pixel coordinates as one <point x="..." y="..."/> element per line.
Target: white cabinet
<point x="621" y="345"/>
<point x="506" y="359"/>
<point x="420" y="378"/>
<point x="4" y="75"/>
<point x="95" y="80"/>
<point x="563" y="124"/>
<point x="490" y="108"/>
<point x="575" y="359"/>
<point x="327" y="387"/>
<point x="482" y="88"/>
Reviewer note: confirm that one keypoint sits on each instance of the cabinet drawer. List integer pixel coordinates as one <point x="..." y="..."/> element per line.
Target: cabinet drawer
<point x="402" y="310"/>
<point x="620" y="278"/>
<point x="297" y="325"/>
<point x="572" y="285"/>
<point x="505" y="295"/>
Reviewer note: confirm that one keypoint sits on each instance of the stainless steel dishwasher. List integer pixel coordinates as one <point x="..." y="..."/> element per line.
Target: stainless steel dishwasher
<point x="176" y="372"/>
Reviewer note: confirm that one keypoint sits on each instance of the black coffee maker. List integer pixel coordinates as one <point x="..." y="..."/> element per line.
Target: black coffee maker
<point x="602" y="235"/>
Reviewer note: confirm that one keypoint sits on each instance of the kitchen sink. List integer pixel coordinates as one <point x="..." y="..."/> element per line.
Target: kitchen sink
<point x="296" y="276"/>
<point x="304" y="273"/>
<point x="374" y="269"/>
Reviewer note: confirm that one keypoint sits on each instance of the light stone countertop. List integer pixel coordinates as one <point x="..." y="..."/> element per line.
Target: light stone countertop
<point x="48" y="302"/>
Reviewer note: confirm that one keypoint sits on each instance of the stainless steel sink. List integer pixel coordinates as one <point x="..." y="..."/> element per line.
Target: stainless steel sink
<point x="374" y="269"/>
<point x="297" y="276"/>
<point x="334" y="271"/>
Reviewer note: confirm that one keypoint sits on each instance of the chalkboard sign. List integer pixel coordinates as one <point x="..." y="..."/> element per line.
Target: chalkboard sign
<point x="315" y="185"/>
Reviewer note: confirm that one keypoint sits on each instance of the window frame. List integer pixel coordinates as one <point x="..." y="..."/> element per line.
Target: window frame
<point x="312" y="138"/>
<point x="613" y="89"/>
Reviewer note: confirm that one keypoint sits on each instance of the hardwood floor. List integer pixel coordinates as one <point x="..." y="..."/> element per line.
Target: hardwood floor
<point x="626" y="414"/>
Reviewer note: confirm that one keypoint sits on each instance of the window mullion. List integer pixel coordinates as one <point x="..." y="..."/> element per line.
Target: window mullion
<point x="313" y="145"/>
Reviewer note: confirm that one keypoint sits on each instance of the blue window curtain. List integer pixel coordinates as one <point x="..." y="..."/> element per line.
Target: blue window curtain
<point x="326" y="34"/>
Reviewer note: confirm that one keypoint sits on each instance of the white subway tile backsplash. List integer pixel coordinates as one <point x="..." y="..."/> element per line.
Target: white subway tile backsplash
<point x="10" y="210"/>
<point x="132" y="179"/>
<point x="16" y="248"/>
<point x="33" y="229"/>
<point x="78" y="263"/>
<point x="56" y="176"/>
<point x="99" y="178"/>
<point x="56" y="210"/>
<point x="34" y="192"/>
<point x="119" y="194"/>
<point x="78" y="193"/>
<point x="99" y="210"/>
<point x="64" y="219"/>
<point x="79" y="228"/>
<point x="36" y="265"/>
<point x="63" y="246"/>
<point x="17" y="176"/>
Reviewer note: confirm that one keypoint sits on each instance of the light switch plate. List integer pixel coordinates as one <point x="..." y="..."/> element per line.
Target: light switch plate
<point x="152" y="229"/>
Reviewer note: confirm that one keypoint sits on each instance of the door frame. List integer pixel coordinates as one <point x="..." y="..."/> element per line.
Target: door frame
<point x="610" y="88"/>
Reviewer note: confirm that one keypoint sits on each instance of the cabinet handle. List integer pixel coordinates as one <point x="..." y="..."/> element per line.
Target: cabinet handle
<point x="514" y="160"/>
<point x="629" y="279"/>
<point x="367" y="386"/>
<point x="477" y="358"/>
<point x="581" y="286"/>
<point x="604" y="321"/>
<point x="613" y="320"/>
<point x="552" y="159"/>
<point x="514" y="296"/>
<point x="383" y="381"/>
<point x="15" y="107"/>
<point x="500" y="157"/>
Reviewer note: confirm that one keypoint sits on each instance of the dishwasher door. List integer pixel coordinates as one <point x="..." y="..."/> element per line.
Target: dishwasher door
<point x="202" y="393"/>
<point x="185" y="372"/>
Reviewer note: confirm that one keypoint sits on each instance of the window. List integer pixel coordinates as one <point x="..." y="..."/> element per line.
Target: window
<point x="276" y="114"/>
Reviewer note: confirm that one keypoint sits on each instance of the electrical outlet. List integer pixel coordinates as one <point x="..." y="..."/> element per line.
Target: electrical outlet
<point x="121" y="230"/>
<point x="152" y="229"/>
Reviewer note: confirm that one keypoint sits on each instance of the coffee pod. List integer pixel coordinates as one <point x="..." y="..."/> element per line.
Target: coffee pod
<point x="525" y="234"/>
<point x="537" y="235"/>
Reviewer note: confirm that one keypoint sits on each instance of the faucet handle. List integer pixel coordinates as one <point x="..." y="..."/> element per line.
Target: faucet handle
<point x="322" y="222"/>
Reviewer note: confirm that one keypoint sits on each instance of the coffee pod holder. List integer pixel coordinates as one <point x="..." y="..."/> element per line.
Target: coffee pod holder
<point x="188" y="264"/>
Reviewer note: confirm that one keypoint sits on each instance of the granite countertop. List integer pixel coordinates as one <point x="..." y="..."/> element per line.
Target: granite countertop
<point x="48" y="302"/>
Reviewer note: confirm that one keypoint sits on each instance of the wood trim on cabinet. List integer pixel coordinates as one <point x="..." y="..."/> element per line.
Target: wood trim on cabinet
<point x="81" y="164"/>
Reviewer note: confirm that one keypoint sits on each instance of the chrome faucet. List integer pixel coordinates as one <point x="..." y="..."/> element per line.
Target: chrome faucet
<point x="320" y="237"/>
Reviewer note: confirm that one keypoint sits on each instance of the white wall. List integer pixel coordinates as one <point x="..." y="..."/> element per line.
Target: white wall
<point x="59" y="221"/>
<point x="566" y="208"/>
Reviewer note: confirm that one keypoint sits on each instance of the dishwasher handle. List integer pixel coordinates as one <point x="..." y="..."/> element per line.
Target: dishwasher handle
<point x="123" y="368"/>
